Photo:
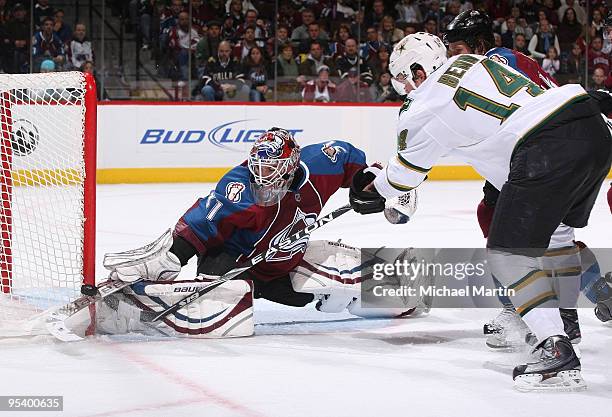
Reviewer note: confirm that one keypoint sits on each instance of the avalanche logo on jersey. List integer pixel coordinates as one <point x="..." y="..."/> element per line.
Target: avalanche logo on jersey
<point x="332" y="151"/>
<point x="233" y="191"/>
<point x="300" y="221"/>
<point x="499" y="58"/>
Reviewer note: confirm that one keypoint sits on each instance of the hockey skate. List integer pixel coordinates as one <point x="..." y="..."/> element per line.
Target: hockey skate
<point x="558" y="368"/>
<point x="506" y="332"/>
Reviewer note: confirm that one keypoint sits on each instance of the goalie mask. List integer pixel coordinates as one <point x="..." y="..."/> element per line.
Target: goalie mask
<point x="273" y="160"/>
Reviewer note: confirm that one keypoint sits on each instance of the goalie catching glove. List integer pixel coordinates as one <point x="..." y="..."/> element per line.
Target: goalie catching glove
<point x="152" y="262"/>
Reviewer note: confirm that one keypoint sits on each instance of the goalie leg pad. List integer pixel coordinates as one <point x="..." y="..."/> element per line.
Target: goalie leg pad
<point x="333" y="272"/>
<point x="225" y="312"/>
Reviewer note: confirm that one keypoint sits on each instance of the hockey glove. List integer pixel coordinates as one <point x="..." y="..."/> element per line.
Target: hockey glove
<point x="362" y="201"/>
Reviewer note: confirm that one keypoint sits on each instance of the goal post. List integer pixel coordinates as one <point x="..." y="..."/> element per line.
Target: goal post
<point x="48" y="192"/>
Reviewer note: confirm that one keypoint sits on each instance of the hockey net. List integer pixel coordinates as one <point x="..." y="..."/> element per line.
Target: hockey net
<point x="47" y="204"/>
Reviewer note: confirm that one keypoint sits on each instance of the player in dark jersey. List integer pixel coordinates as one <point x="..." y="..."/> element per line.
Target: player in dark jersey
<point x="471" y="32"/>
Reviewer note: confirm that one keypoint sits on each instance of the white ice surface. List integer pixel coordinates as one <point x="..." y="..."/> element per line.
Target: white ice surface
<point x="302" y="362"/>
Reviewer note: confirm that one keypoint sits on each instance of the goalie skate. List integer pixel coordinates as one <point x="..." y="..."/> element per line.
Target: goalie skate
<point x="558" y="369"/>
<point x="506" y="332"/>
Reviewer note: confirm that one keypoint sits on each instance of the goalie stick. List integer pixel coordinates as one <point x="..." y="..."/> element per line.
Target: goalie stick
<point x="252" y="262"/>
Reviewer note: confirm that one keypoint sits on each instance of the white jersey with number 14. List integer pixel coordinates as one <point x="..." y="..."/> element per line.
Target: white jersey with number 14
<point x="474" y="109"/>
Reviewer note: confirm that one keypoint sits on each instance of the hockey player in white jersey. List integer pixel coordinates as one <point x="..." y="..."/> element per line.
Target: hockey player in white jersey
<point x="547" y="151"/>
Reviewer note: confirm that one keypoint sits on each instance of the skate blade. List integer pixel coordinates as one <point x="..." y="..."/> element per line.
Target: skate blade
<point x="563" y="381"/>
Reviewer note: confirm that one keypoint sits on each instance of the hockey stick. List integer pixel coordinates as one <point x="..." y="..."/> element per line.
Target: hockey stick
<point x="252" y="262"/>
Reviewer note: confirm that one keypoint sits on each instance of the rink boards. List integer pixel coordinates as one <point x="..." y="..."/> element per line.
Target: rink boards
<point x="199" y="142"/>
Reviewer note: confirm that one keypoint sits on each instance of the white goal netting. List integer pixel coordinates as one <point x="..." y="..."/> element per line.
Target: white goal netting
<point x="42" y="205"/>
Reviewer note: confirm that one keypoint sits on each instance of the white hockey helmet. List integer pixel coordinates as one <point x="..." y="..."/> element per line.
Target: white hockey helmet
<point x="422" y="49"/>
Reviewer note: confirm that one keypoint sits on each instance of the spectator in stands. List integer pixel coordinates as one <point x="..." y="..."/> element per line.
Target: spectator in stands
<point x="182" y="42"/>
<point x="250" y="20"/>
<point x="523" y="28"/>
<point x="551" y="63"/>
<point x="434" y="12"/>
<point x="358" y="26"/>
<point x="167" y="20"/>
<point x="388" y="32"/>
<point x="338" y="11"/>
<point x="520" y="44"/>
<point x="236" y="12"/>
<point x="47" y="66"/>
<point x="597" y="24"/>
<point x="507" y="37"/>
<point x="542" y="40"/>
<point x="141" y="12"/>
<point x="321" y="89"/>
<point x="574" y="65"/>
<point x="199" y="16"/>
<point x="315" y="59"/>
<point x="410" y="29"/>
<point x="5" y="12"/>
<point x="62" y="29"/>
<point x="17" y="33"/>
<point x="453" y="8"/>
<point x="409" y="11"/>
<point x="380" y="63"/>
<point x="209" y="43"/>
<point x="257" y="71"/>
<point x="599" y="78"/>
<point x="88" y="67"/>
<point x="596" y="57"/>
<point x="549" y="9"/>
<point x="223" y="76"/>
<point x="79" y="48"/>
<point x="382" y="90"/>
<point x="498" y="10"/>
<point x="47" y="45"/>
<point x="343" y="32"/>
<point x="432" y="26"/>
<point x="569" y="30"/>
<point x="515" y="13"/>
<point x="351" y="59"/>
<point x="581" y="16"/>
<point x="497" y="40"/>
<point x="314" y="35"/>
<point x="301" y="32"/>
<point x="245" y="4"/>
<point x="370" y="48"/>
<point x="529" y="10"/>
<point x="352" y="89"/>
<point x="374" y="16"/>
<point x="228" y="31"/>
<point x="242" y="48"/>
<point x="274" y="44"/>
<point x="213" y="10"/>
<point x="286" y="65"/>
<point x="42" y="10"/>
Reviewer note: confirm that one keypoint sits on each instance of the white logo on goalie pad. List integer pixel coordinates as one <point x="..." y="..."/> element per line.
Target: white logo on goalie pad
<point x="233" y="191"/>
<point x="300" y="221"/>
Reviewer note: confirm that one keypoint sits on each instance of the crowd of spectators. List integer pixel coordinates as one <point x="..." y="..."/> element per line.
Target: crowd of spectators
<point x="39" y="40"/>
<point x="307" y="50"/>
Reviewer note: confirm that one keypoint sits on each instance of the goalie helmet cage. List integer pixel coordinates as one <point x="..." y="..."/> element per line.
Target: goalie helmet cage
<point x="48" y="194"/>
